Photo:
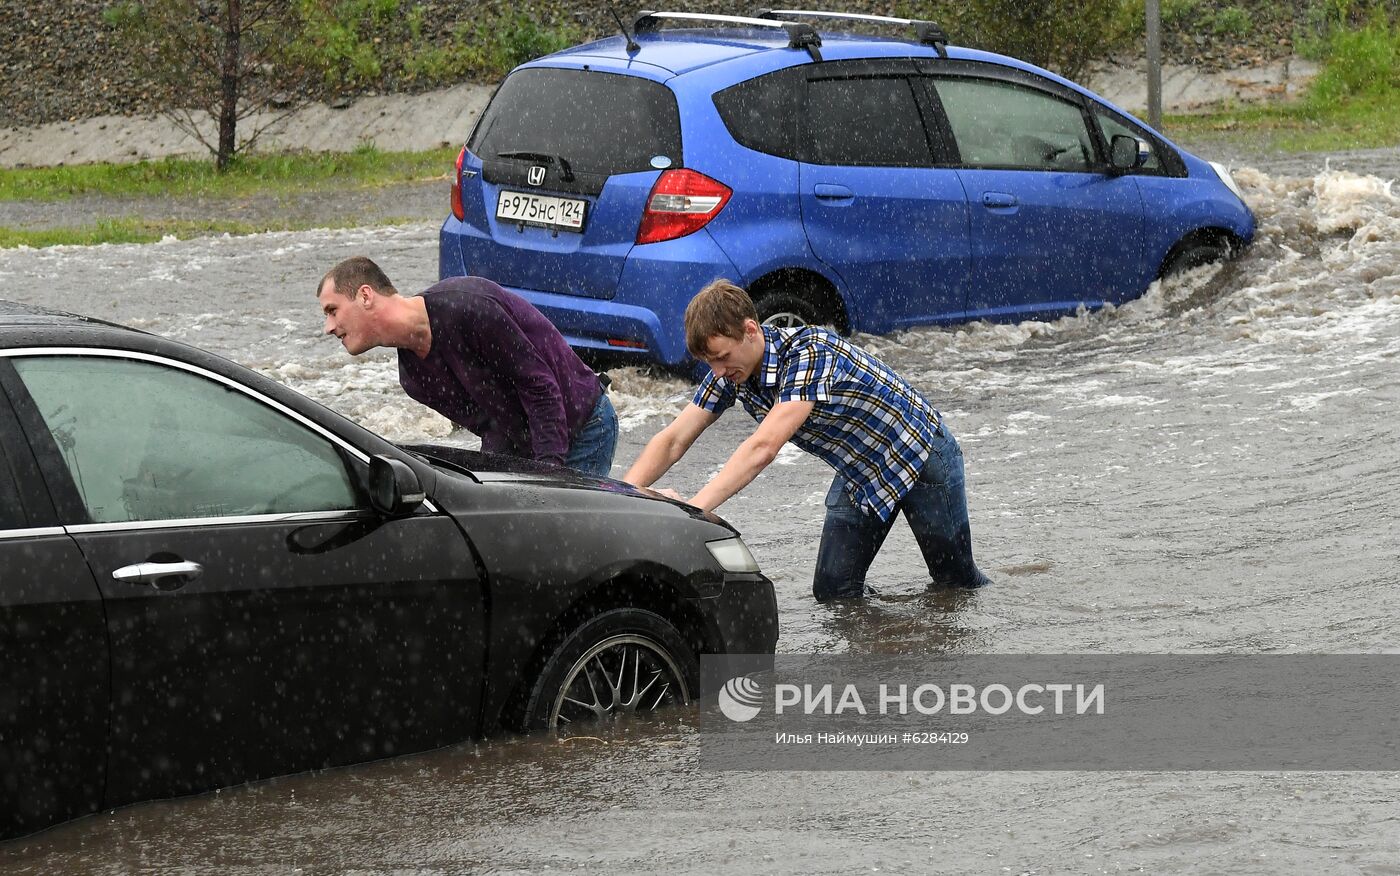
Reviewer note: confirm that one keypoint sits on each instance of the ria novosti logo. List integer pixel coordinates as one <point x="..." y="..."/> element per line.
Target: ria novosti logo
<point x="741" y="699"/>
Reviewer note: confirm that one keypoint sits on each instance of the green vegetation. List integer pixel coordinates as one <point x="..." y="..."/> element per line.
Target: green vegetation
<point x="135" y="230"/>
<point x="1354" y="103"/>
<point x="1062" y="35"/>
<point x="237" y="60"/>
<point x="1230" y="21"/>
<point x="355" y="44"/>
<point x="264" y="175"/>
<point x="1356" y="123"/>
<point x="366" y="167"/>
<point x="1325" y="19"/>
<point x="1358" y="64"/>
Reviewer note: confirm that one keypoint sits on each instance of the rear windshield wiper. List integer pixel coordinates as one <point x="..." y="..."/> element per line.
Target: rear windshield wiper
<point x="568" y="172"/>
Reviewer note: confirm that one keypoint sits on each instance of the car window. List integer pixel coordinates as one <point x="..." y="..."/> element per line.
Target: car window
<point x="868" y="122"/>
<point x="762" y="113"/>
<point x="598" y="122"/>
<point x="1002" y="124"/>
<point x="150" y="442"/>
<point x="1112" y="126"/>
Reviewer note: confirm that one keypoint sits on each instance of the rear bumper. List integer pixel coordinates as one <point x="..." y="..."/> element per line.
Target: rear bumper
<point x="644" y="320"/>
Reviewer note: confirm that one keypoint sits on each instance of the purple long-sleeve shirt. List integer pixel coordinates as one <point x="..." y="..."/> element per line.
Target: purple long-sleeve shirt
<point x="499" y="368"/>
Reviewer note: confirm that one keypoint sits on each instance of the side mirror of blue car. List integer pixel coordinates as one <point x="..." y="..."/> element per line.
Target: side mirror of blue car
<point x="1125" y="152"/>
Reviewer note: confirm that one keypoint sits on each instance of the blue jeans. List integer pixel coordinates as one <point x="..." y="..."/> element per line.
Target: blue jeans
<point x="936" y="509"/>
<point x="594" y="445"/>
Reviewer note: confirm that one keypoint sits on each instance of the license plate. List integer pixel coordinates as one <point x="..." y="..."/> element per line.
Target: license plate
<point x="544" y="210"/>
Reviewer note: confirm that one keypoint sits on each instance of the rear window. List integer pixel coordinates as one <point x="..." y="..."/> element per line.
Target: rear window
<point x="762" y="113"/>
<point x="599" y="122"/>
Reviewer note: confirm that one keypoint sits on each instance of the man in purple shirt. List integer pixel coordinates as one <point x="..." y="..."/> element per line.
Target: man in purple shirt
<point x="481" y="356"/>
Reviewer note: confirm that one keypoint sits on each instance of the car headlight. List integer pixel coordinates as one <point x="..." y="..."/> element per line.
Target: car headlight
<point x="1224" y="173"/>
<point x="733" y="555"/>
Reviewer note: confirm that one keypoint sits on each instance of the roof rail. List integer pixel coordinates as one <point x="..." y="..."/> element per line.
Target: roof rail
<point x="800" y="34"/>
<point x="927" y="32"/>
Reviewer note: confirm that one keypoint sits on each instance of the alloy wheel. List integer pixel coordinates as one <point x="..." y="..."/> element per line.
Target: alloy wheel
<point x="625" y="674"/>
<point x="785" y="319"/>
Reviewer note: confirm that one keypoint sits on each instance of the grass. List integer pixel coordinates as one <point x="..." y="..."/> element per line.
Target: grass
<point x="1358" y="122"/>
<point x="254" y="174"/>
<point x="263" y="175"/>
<point x="1353" y="104"/>
<point x="135" y="230"/>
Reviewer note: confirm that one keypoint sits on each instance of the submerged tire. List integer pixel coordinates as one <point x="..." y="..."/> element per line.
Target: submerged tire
<point x="623" y="662"/>
<point x="1193" y="255"/>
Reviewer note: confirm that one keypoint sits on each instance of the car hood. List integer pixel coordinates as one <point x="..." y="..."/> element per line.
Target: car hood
<point x="494" y="468"/>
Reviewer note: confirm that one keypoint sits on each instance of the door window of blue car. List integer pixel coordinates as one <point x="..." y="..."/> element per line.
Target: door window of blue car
<point x="865" y="122"/>
<point x="1007" y="125"/>
<point x="602" y="123"/>
<point x="145" y="441"/>
<point x="1113" y="126"/>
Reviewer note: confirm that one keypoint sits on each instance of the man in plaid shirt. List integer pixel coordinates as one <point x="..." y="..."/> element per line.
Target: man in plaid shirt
<point x="889" y="447"/>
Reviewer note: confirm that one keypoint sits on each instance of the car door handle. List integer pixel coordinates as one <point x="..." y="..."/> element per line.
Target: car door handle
<point x="830" y="192"/>
<point x="162" y="576"/>
<point x="998" y="199"/>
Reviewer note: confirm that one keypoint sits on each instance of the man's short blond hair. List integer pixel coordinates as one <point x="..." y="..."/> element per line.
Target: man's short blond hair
<point x="718" y="310"/>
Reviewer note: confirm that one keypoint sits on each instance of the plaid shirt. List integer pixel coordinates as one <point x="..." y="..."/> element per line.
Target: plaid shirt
<point x="866" y="421"/>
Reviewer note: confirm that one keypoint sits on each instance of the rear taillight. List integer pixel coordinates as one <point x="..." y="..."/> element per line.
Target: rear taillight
<point x="680" y="203"/>
<point x="457" y="210"/>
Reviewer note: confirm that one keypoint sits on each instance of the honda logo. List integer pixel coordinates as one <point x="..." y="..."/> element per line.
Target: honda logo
<point x="536" y="175"/>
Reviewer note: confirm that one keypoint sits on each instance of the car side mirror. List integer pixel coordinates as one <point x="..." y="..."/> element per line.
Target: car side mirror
<point x="1125" y="153"/>
<point x="394" y="488"/>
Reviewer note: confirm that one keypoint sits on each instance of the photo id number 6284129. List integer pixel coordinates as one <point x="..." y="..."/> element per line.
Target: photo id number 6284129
<point x="934" y="737"/>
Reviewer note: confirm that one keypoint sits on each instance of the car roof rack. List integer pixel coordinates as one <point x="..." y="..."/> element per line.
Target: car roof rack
<point x="800" y="34"/>
<point x="927" y="32"/>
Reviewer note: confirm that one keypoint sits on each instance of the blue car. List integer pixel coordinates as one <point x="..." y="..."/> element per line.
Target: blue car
<point x="869" y="183"/>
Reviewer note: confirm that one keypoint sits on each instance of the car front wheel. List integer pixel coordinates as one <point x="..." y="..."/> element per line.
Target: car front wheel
<point x="1193" y="255"/>
<point x="623" y="662"/>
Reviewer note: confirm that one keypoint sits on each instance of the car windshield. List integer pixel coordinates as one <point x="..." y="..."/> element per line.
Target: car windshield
<point x="598" y="122"/>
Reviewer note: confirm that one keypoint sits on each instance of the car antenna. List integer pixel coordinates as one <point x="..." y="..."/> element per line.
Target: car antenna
<point x="632" y="47"/>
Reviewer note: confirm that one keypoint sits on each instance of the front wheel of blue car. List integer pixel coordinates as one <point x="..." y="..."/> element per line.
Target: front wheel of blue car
<point x="1193" y="254"/>
<point x="621" y="663"/>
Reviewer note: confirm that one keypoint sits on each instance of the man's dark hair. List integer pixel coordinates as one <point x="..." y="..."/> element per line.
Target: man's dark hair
<point x="717" y="310"/>
<point x="355" y="272"/>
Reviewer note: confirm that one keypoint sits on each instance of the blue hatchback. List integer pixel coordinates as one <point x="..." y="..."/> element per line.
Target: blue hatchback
<point x="863" y="182"/>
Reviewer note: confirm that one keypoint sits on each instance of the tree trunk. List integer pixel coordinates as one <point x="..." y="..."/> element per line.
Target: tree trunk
<point x="228" y="82"/>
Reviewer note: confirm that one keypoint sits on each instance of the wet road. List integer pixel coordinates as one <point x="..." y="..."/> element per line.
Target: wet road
<point x="1212" y="468"/>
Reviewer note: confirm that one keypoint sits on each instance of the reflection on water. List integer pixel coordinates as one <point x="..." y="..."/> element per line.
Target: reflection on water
<point x="1212" y="467"/>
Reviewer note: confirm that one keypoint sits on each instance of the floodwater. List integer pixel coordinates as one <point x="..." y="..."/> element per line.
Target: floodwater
<point x="1212" y="468"/>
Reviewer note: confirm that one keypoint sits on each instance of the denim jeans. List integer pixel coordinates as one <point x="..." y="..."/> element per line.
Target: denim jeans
<point x="594" y="445"/>
<point x="936" y="509"/>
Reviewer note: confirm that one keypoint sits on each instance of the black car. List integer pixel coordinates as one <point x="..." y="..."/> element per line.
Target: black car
<point x="206" y="578"/>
